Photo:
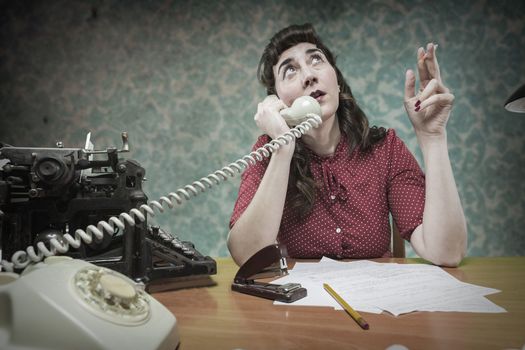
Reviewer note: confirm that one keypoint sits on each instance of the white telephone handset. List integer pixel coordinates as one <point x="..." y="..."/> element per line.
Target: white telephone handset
<point x="300" y="109"/>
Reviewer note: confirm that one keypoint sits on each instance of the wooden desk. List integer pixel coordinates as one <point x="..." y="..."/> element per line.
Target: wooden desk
<point x="217" y="318"/>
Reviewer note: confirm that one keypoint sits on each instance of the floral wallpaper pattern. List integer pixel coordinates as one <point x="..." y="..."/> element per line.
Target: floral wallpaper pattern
<point x="180" y="78"/>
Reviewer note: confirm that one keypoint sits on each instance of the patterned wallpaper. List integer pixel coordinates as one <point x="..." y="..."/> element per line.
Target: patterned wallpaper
<point x="179" y="77"/>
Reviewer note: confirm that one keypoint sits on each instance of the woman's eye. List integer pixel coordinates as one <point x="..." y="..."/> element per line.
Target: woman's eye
<point x="289" y="71"/>
<point x="316" y="59"/>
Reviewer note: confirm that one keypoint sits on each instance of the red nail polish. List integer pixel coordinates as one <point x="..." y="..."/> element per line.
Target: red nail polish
<point x="417" y="109"/>
<point x="418" y="102"/>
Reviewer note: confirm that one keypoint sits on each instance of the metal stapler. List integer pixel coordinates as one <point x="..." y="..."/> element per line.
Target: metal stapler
<point x="268" y="262"/>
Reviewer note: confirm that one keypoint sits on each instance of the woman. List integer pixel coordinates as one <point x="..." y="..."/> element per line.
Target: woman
<point x="330" y="193"/>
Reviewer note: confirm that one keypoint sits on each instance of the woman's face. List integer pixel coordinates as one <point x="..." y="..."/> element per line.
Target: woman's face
<point x="304" y="70"/>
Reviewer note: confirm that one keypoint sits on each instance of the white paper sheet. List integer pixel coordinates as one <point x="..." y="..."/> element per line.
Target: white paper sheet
<point x="395" y="288"/>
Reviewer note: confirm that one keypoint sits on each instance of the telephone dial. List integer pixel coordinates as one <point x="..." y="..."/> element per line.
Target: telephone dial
<point x="94" y="307"/>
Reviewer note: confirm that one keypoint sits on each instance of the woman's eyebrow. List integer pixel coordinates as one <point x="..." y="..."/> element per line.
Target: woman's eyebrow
<point x="283" y="63"/>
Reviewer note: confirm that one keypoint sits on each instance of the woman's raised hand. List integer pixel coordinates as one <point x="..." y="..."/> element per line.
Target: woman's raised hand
<point x="430" y="108"/>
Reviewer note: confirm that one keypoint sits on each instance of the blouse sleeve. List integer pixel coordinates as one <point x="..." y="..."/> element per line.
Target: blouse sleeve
<point x="406" y="190"/>
<point x="250" y="180"/>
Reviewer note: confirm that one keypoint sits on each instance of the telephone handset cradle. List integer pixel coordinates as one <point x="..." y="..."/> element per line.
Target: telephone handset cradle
<point x="65" y="303"/>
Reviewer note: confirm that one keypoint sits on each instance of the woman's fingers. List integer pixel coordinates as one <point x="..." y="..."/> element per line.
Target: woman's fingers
<point x="267" y="117"/>
<point x="442" y="99"/>
<point x="427" y="65"/>
<point x="422" y="69"/>
<point x="432" y="63"/>
<point x="433" y="88"/>
<point x="271" y="103"/>
<point x="410" y="84"/>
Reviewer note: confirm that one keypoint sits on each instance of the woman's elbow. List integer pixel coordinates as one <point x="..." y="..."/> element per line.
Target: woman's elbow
<point x="230" y="243"/>
<point x="237" y="252"/>
<point x="451" y="259"/>
<point x="453" y="256"/>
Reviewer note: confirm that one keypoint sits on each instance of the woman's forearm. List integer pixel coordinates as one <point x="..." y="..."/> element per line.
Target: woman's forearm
<point x="259" y="225"/>
<point x="442" y="237"/>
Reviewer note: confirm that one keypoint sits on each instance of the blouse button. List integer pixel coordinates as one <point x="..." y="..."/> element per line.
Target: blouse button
<point x="338" y="230"/>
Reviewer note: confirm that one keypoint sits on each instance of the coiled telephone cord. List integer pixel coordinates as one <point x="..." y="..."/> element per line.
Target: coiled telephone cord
<point x="21" y="258"/>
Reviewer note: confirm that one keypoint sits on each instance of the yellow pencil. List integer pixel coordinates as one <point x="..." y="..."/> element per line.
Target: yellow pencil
<point x="355" y="315"/>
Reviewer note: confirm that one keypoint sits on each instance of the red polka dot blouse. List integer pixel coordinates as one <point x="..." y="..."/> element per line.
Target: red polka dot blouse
<point x="350" y="216"/>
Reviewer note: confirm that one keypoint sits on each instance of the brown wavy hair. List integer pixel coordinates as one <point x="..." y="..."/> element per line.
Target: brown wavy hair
<point x="352" y="120"/>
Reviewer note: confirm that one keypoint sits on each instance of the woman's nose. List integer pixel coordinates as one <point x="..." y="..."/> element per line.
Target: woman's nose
<point x="309" y="77"/>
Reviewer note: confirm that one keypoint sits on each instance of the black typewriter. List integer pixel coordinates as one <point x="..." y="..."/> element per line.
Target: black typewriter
<point x="47" y="194"/>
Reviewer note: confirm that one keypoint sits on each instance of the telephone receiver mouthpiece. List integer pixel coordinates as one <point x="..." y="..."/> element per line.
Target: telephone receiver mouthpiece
<point x="299" y="110"/>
